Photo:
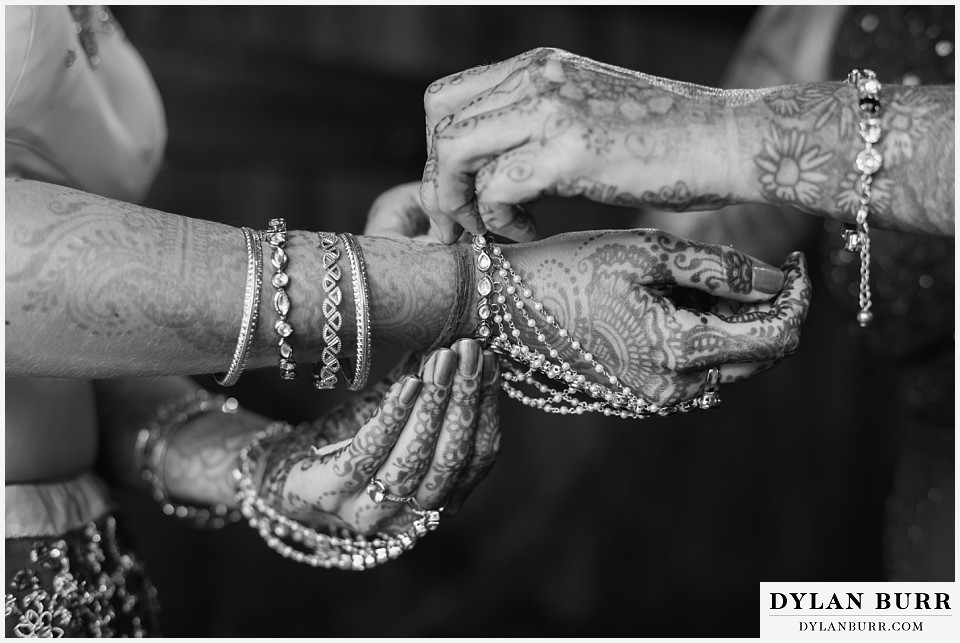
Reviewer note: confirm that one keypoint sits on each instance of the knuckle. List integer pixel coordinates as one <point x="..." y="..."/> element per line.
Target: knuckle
<point x="434" y="101"/>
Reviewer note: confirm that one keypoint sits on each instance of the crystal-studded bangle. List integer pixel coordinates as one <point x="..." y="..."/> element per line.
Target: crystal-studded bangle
<point x="325" y="371"/>
<point x="151" y="450"/>
<point x="485" y="288"/>
<point x="360" y="299"/>
<point x="303" y="544"/>
<point x="508" y="303"/>
<point x="251" y="309"/>
<point x="869" y="161"/>
<point x="276" y="236"/>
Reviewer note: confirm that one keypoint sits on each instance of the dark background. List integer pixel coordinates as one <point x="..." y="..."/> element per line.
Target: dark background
<point x="585" y="526"/>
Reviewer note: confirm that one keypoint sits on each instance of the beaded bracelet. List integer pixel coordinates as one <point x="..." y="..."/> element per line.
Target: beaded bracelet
<point x="325" y="372"/>
<point x="359" y="271"/>
<point x="151" y="449"/>
<point x="560" y="388"/>
<point x="251" y="309"/>
<point x="276" y="236"/>
<point x="308" y="545"/>
<point x="857" y="238"/>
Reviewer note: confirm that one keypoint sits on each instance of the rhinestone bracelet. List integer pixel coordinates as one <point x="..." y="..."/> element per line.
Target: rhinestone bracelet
<point x="556" y="386"/>
<point x="251" y="309"/>
<point x="276" y="236"/>
<point x="325" y="372"/>
<point x="857" y="237"/>
<point x="151" y="449"/>
<point x="303" y="544"/>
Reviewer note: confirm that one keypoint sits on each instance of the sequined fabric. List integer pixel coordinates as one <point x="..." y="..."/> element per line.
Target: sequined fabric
<point x="85" y="583"/>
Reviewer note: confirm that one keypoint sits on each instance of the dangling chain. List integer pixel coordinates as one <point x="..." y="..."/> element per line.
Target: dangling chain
<point x="869" y="160"/>
<point x="563" y="389"/>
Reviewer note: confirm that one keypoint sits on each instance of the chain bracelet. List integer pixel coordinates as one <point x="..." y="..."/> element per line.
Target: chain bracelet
<point x="304" y="544"/>
<point x="557" y="386"/>
<point x="869" y="161"/>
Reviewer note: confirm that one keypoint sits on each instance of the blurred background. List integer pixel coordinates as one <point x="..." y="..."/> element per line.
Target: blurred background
<point x="585" y="526"/>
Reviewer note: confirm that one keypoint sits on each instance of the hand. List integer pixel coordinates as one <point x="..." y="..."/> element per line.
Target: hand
<point x="432" y="438"/>
<point x="625" y="296"/>
<point x="397" y="213"/>
<point x="549" y="122"/>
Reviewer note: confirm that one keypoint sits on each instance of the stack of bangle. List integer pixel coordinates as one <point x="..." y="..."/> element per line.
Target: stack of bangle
<point x="151" y="449"/>
<point x="359" y="273"/>
<point x="251" y="308"/>
<point x="306" y="545"/>
<point x="276" y="236"/>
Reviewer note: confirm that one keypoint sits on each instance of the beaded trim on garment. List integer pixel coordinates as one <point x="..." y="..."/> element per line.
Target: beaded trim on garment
<point x="82" y="584"/>
<point x="88" y="21"/>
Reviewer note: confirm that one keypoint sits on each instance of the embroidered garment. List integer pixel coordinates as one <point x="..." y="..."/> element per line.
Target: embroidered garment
<point x="85" y="583"/>
<point x="81" y="107"/>
<point x="68" y="572"/>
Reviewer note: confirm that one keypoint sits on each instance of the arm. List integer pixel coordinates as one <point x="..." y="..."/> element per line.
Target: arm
<point x="550" y="122"/>
<point x="101" y="288"/>
<point x="784" y="45"/>
<point x="433" y="437"/>
<point x="202" y="453"/>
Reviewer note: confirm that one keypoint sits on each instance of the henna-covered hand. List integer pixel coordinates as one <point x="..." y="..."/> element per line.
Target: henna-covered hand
<point x="551" y="122"/>
<point x="625" y="296"/>
<point x="431" y="437"/>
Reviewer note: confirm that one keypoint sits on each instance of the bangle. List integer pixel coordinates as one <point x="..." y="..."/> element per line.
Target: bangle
<point x="251" y="309"/>
<point x="485" y="288"/>
<point x="151" y="449"/>
<point x="869" y="160"/>
<point x="325" y="372"/>
<point x="276" y="236"/>
<point x="304" y="544"/>
<point x="359" y="272"/>
<point x="554" y="384"/>
<point x="462" y="283"/>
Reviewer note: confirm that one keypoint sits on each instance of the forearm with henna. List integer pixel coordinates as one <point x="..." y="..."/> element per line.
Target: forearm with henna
<point x="102" y="288"/>
<point x="560" y="124"/>
<point x="799" y="143"/>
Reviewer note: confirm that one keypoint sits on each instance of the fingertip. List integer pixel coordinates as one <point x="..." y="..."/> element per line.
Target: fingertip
<point x="767" y="279"/>
<point x="491" y="368"/>
<point x="410" y="390"/>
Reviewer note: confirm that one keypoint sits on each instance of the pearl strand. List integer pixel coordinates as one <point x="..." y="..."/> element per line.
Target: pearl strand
<point x="523" y="363"/>
<point x="323" y="550"/>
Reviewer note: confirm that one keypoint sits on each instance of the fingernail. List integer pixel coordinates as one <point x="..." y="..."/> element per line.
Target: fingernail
<point x="446" y="367"/>
<point x="410" y="390"/>
<point x="469" y="351"/>
<point x="767" y="279"/>
<point x="491" y="367"/>
<point x="426" y="370"/>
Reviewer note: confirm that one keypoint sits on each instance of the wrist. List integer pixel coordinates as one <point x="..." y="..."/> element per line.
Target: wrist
<point x="467" y="289"/>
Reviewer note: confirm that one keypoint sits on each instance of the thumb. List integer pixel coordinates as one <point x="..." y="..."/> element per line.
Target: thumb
<point x="397" y="213"/>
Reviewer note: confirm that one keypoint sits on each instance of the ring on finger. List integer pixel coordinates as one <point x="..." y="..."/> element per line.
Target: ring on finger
<point x="429" y="517"/>
<point x="378" y="492"/>
<point x="710" y="397"/>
